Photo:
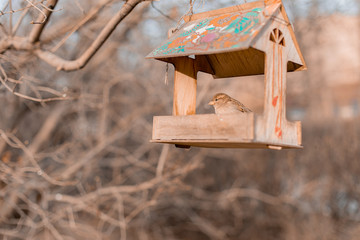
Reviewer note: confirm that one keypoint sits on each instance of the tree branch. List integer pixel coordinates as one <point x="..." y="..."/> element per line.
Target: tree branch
<point x="71" y="65"/>
<point x="43" y="19"/>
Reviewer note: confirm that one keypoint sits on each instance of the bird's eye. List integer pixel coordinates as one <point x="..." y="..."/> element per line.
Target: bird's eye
<point x="216" y="99"/>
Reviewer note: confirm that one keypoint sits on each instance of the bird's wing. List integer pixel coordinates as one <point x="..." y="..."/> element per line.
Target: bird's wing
<point x="242" y="107"/>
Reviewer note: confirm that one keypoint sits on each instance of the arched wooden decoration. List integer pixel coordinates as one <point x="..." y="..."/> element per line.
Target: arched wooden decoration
<point x="276" y="36"/>
<point x="248" y="39"/>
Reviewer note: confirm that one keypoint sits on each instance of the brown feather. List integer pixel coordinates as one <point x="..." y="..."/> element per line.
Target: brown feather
<point x="225" y="104"/>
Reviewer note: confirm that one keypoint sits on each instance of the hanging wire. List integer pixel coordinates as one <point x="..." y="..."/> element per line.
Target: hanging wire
<point x="179" y="25"/>
<point x="167" y="74"/>
<point x="190" y="12"/>
<point x="191" y="7"/>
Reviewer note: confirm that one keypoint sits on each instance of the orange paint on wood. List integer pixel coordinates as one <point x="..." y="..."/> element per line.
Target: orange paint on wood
<point x="274" y="101"/>
<point x="279" y="76"/>
<point x="278" y="132"/>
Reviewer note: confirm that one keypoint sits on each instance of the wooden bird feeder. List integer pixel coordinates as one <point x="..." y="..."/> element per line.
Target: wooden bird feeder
<point x="248" y="39"/>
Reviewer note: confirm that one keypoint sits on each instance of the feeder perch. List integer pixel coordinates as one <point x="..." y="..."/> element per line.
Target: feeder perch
<point x="249" y="39"/>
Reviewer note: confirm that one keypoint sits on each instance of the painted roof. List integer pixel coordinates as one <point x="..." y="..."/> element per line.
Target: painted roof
<point x="213" y="34"/>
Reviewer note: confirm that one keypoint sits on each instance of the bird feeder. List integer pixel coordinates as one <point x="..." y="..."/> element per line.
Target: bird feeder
<point x="249" y="39"/>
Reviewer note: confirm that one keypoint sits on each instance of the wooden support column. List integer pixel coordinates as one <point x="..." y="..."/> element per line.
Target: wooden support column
<point x="184" y="86"/>
<point x="272" y="126"/>
<point x="275" y="86"/>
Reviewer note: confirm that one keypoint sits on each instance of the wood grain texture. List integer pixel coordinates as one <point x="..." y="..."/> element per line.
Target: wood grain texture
<point x="216" y="131"/>
<point x="238" y="63"/>
<point x="239" y="127"/>
<point x="227" y="144"/>
<point x="184" y="102"/>
<point x="203" y="64"/>
<point x="237" y="8"/>
<point x="273" y="126"/>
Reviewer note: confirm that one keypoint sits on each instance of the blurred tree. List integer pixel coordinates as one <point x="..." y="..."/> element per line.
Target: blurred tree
<point x="84" y="169"/>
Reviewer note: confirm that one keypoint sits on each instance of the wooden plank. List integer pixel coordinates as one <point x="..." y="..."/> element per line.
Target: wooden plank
<point x="228" y="144"/>
<point x="225" y="32"/>
<point x="239" y="127"/>
<point x="203" y="64"/>
<point x="237" y="8"/>
<point x="273" y="126"/>
<point x="216" y="131"/>
<point x="292" y="67"/>
<point x="239" y="63"/>
<point x="299" y="133"/>
<point x="185" y="82"/>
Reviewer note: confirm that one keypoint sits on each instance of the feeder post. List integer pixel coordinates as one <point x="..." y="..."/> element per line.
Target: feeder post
<point x="185" y="83"/>
<point x="275" y="91"/>
<point x="273" y="126"/>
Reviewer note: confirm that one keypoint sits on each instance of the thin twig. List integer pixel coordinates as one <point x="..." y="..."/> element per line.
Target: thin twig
<point x="41" y="12"/>
<point x="13" y="141"/>
<point x="40" y="100"/>
<point x="11" y="19"/>
<point x="162" y="160"/>
<point x="66" y="65"/>
<point x="92" y="13"/>
<point x="35" y="99"/>
<point x="21" y="18"/>
<point x="18" y="10"/>
<point x="42" y="20"/>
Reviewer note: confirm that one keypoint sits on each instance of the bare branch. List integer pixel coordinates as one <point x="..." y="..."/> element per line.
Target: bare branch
<point x="35" y="99"/>
<point x="66" y="65"/>
<point x="162" y="160"/>
<point x="13" y="141"/>
<point x="92" y="13"/>
<point x="11" y="19"/>
<point x="42" y="20"/>
<point x="23" y="14"/>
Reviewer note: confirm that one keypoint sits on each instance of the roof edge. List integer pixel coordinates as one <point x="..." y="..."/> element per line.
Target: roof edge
<point x="280" y="7"/>
<point x="292" y="33"/>
<point x="256" y="37"/>
<point x="236" y="8"/>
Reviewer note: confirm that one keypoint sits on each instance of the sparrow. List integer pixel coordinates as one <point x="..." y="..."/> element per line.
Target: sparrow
<point x="224" y="104"/>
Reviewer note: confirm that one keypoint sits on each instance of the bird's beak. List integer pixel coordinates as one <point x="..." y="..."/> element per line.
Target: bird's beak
<point x="211" y="103"/>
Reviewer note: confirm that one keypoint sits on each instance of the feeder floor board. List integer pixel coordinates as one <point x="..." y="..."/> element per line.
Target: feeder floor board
<point x="214" y="131"/>
<point x="226" y="144"/>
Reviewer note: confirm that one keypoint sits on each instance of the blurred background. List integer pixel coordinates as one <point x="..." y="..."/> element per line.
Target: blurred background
<point x="75" y="157"/>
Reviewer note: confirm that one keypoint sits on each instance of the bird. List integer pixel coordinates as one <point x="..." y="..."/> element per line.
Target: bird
<point x="224" y="104"/>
